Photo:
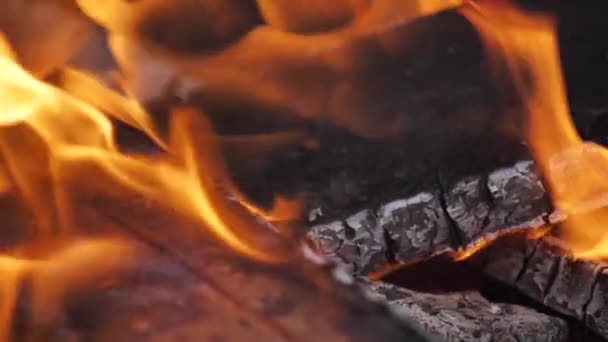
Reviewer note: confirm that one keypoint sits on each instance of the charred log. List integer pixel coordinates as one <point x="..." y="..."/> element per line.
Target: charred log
<point x="438" y="220"/>
<point x="460" y="316"/>
<point x="547" y="272"/>
<point x="482" y="207"/>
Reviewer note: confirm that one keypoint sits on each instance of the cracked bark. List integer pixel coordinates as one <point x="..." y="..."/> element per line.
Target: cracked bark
<point x="545" y="271"/>
<point x="464" y="315"/>
<point x="477" y="207"/>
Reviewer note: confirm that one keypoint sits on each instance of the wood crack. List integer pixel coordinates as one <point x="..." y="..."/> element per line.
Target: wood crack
<point x="457" y="240"/>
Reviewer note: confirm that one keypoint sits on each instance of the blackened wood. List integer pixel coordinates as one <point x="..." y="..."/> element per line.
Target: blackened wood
<point x="596" y="316"/>
<point x="464" y="316"/>
<point x="545" y="271"/>
<point x="443" y="218"/>
<point x="507" y="200"/>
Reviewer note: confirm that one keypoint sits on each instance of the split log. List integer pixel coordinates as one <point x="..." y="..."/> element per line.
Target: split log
<point x="438" y="220"/>
<point x="546" y="271"/>
<point x="193" y="288"/>
<point x="463" y="316"/>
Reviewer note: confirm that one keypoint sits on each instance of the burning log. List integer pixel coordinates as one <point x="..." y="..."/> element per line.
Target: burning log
<point x="462" y="315"/>
<point x="441" y="219"/>
<point x="54" y="144"/>
<point x="344" y="80"/>
<point x="511" y="200"/>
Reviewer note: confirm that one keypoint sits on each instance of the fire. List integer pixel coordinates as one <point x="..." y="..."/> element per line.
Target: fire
<point x="574" y="171"/>
<point x="49" y="137"/>
<point x="58" y="139"/>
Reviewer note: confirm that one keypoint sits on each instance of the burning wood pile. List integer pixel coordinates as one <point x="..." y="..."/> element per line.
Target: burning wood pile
<point x="267" y="170"/>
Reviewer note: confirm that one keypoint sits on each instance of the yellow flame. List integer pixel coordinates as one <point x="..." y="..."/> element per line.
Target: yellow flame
<point x="574" y="171"/>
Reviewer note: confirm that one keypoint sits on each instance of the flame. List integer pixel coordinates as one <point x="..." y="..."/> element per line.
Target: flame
<point x="574" y="171"/>
<point x="464" y="253"/>
<point x="49" y="138"/>
<point x="58" y="140"/>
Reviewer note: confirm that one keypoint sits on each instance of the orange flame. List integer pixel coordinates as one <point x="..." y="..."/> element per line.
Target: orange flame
<point x="574" y="171"/>
<point x="49" y="137"/>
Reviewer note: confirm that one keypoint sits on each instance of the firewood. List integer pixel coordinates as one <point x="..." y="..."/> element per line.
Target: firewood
<point x="438" y="220"/>
<point x="164" y="301"/>
<point x="191" y="287"/>
<point x="546" y="271"/>
<point x="508" y="200"/>
<point x="463" y="316"/>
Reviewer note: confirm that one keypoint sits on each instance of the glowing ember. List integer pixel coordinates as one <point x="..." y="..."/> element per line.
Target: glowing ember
<point x="464" y="253"/>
